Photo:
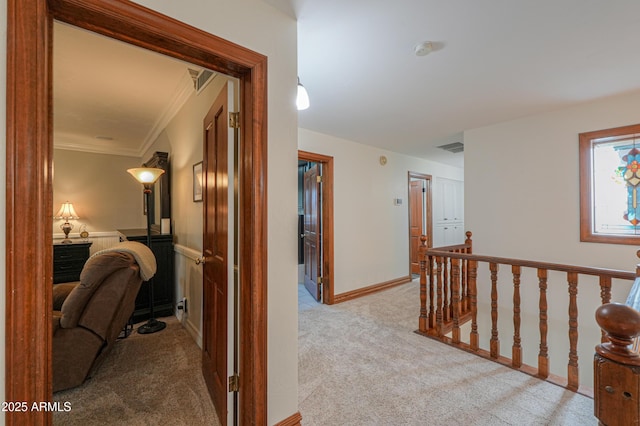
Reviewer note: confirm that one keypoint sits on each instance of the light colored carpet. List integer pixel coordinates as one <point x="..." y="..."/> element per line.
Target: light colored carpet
<point x="360" y="363"/>
<point x="151" y="379"/>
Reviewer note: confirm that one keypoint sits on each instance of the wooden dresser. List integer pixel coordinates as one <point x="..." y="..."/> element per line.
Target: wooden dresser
<point x="68" y="260"/>
<point x="162" y="247"/>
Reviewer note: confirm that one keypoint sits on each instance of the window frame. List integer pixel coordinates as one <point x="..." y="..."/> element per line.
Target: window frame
<point x="587" y="233"/>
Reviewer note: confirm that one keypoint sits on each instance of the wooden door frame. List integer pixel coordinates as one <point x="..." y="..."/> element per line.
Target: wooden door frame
<point x="29" y="205"/>
<point x="328" y="292"/>
<point x="429" y="208"/>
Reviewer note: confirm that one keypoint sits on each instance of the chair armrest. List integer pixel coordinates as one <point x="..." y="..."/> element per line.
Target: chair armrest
<point x="60" y="293"/>
<point x="56" y="321"/>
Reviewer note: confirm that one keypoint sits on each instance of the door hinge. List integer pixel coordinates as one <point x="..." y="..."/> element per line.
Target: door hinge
<point x="234" y="384"/>
<point x="424" y="189"/>
<point x="234" y="120"/>
<point x="319" y="280"/>
<point x="319" y="179"/>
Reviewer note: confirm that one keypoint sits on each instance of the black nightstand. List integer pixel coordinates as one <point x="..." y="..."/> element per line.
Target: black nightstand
<point x="68" y="260"/>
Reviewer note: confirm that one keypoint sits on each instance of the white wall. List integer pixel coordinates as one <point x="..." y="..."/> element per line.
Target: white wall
<point x="522" y="201"/>
<point x="103" y="194"/>
<point x="522" y="189"/>
<point x="371" y="233"/>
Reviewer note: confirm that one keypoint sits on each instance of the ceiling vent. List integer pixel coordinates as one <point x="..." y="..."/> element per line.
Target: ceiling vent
<point x="201" y="78"/>
<point x="453" y="147"/>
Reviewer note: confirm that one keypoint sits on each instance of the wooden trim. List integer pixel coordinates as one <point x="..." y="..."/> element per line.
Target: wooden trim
<point x="586" y="173"/>
<point x="375" y="288"/>
<point x="327" y="220"/>
<point x="292" y="420"/>
<point x="29" y="207"/>
<point x="29" y="186"/>
<point x="312" y="156"/>
<point x="253" y="247"/>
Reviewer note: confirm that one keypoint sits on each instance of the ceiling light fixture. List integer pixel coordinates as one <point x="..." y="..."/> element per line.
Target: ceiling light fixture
<point x="423" y="48"/>
<point x="302" y="100"/>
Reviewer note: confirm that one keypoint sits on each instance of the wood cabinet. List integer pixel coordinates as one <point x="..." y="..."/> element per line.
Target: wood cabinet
<point x="448" y="212"/>
<point x="68" y="261"/>
<point x="162" y="247"/>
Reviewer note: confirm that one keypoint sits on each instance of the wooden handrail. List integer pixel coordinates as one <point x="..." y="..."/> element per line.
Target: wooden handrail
<point x="583" y="270"/>
<point x="456" y="248"/>
<point x="449" y="299"/>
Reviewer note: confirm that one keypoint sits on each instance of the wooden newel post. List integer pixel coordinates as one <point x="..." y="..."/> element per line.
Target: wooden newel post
<point x="617" y="367"/>
<point x="469" y="242"/>
<point x="422" y="258"/>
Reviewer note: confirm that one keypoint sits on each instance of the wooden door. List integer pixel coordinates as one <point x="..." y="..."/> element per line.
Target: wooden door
<point x="215" y="250"/>
<point x="312" y="238"/>
<point x="416" y="221"/>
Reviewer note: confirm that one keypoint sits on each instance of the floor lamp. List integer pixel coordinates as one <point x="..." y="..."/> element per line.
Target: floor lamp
<point x="147" y="176"/>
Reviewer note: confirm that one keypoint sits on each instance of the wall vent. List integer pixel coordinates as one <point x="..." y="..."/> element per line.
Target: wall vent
<point x="453" y="147"/>
<point x="201" y="78"/>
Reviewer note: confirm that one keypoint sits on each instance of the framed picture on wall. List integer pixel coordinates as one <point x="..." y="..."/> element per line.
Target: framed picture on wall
<point x="197" y="182"/>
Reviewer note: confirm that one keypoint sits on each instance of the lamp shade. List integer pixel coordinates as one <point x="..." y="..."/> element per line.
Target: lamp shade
<point x="146" y="175"/>
<point x="66" y="212"/>
<point x="302" y="100"/>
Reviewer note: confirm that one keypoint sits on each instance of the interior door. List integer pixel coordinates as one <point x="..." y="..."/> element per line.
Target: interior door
<point x="312" y="238"/>
<point x="215" y="250"/>
<point x="416" y="221"/>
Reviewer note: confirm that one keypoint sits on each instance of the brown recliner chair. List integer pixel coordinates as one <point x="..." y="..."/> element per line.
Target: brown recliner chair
<point x="89" y="315"/>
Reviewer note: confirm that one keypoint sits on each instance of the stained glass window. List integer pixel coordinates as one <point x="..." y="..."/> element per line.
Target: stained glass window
<point x="610" y="185"/>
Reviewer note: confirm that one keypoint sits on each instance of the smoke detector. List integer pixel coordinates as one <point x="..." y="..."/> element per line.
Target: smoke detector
<point x="423" y="48"/>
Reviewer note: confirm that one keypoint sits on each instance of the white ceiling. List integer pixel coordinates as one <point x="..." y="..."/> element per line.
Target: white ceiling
<point x="112" y="97"/>
<point x="495" y="60"/>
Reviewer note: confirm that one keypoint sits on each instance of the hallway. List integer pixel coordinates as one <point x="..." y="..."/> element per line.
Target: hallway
<point x="360" y="363"/>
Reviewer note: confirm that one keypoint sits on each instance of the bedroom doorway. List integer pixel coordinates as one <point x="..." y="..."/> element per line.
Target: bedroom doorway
<point x="29" y="195"/>
<point x="315" y="226"/>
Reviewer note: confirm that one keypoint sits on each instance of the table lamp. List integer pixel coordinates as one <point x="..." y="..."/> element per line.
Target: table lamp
<point x="66" y="212"/>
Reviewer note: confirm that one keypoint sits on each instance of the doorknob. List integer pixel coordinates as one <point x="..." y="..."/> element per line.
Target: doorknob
<point x="200" y="260"/>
